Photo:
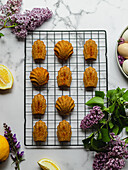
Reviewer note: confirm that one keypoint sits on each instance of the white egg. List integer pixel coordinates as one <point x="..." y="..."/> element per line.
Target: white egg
<point x="125" y="66"/>
<point x="123" y="50"/>
<point x="125" y="35"/>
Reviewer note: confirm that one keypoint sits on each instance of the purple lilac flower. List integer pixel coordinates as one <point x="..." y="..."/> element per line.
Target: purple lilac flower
<point x="14" y="146"/>
<point x="121" y="59"/>
<point x="113" y="158"/>
<point x="95" y="115"/>
<point x="100" y="161"/>
<point x="114" y="164"/>
<point x="121" y="41"/>
<point x="11" y="7"/>
<point x="30" y="20"/>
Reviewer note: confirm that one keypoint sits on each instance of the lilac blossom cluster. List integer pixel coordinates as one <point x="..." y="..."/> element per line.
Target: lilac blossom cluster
<point x="22" y="23"/>
<point x="11" y="7"/>
<point x="92" y="118"/>
<point x="30" y="20"/>
<point x="121" y="59"/>
<point x="113" y="157"/>
<point x="16" y="155"/>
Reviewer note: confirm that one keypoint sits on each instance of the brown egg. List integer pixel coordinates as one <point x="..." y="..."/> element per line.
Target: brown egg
<point x="123" y="50"/>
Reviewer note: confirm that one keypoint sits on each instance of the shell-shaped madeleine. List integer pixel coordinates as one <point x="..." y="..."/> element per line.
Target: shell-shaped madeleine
<point x="40" y="131"/>
<point x="38" y="50"/>
<point x="65" y="105"/>
<point x="64" y="77"/>
<point x="38" y="104"/>
<point x="63" y="50"/>
<point x="39" y="76"/>
<point x="90" y="77"/>
<point x="64" y="131"/>
<point x="90" y="50"/>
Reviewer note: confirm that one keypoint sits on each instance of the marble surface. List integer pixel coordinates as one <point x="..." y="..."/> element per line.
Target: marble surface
<point x="110" y="15"/>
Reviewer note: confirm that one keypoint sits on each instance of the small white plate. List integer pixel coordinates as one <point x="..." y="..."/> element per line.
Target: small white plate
<point x="117" y="55"/>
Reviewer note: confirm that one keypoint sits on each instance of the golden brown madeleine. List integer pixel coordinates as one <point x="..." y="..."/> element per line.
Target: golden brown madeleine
<point x="39" y="76"/>
<point x="63" y="50"/>
<point x="90" y="50"/>
<point x="64" y="131"/>
<point x="65" y="105"/>
<point x="90" y="77"/>
<point x="38" y="50"/>
<point x="40" y="131"/>
<point x="38" y="104"/>
<point x="64" y="77"/>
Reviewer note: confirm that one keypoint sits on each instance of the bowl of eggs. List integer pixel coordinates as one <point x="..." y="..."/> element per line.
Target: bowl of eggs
<point x="122" y="52"/>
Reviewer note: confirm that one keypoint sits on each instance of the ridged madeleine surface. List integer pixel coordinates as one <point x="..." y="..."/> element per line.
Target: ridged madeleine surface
<point x="65" y="105"/>
<point x="38" y="104"/>
<point x="63" y="50"/>
<point x="40" y="131"/>
<point x="90" y="77"/>
<point x="64" y="131"/>
<point x="38" y="50"/>
<point x="39" y="76"/>
<point x="64" y="77"/>
<point x="90" y="50"/>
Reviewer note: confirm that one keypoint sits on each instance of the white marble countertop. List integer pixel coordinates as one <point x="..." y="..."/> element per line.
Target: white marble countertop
<point x="109" y="15"/>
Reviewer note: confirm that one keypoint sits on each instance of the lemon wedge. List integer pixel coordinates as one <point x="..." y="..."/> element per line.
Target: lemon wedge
<point x="47" y="164"/>
<point x="6" y="78"/>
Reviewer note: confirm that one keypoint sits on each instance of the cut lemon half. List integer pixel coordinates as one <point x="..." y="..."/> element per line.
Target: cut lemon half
<point x="6" y="78"/>
<point x="47" y="164"/>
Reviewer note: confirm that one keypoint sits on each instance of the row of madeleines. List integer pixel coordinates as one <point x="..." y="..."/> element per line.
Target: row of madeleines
<point x="65" y="104"/>
<point x="63" y="50"/>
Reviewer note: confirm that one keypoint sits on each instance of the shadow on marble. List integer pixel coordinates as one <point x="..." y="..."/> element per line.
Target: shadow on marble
<point x="3" y="165"/>
<point x="5" y="91"/>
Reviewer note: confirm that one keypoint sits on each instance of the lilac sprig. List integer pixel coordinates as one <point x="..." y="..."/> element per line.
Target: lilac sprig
<point x="11" y="7"/>
<point x="22" y="23"/>
<point x="15" y="154"/>
<point x="113" y="157"/>
<point x="121" y="59"/>
<point x="93" y="118"/>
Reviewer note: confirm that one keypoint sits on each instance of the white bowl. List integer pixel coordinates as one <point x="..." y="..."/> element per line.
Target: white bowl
<point x="117" y="55"/>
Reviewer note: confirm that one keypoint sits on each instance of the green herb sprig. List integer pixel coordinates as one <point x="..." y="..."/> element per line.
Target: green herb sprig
<point x="114" y="120"/>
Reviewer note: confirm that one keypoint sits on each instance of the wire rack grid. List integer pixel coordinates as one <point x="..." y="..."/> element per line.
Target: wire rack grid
<point x="51" y="92"/>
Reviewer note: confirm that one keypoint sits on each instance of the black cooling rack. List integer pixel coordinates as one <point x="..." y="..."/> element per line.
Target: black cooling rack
<point x="51" y="92"/>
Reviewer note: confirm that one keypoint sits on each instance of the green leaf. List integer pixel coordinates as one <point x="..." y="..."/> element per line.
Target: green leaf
<point x="95" y="101"/>
<point x="112" y="107"/>
<point x="105" y="135"/>
<point x="1" y="34"/>
<point x="102" y="121"/>
<point x="97" y="145"/>
<point x="125" y="96"/>
<point x="99" y="136"/>
<point x="127" y="129"/>
<point x="110" y="93"/>
<point x="111" y="124"/>
<point x="87" y="140"/>
<point x="115" y="129"/>
<point x="126" y="141"/>
<point x="100" y="94"/>
<point x="117" y="112"/>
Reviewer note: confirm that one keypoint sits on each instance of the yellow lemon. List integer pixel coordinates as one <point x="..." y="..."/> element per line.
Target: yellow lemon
<point x="4" y="148"/>
<point x="47" y="164"/>
<point x="6" y="78"/>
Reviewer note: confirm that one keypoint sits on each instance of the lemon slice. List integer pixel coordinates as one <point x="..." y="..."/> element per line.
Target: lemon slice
<point x="47" y="164"/>
<point x="6" y="78"/>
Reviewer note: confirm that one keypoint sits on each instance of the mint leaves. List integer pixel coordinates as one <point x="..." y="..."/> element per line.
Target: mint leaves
<point x="115" y="119"/>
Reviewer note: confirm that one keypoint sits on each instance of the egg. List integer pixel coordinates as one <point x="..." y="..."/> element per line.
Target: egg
<point x="123" y="50"/>
<point x="125" y="66"/>
<point x="125" y="35"/>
